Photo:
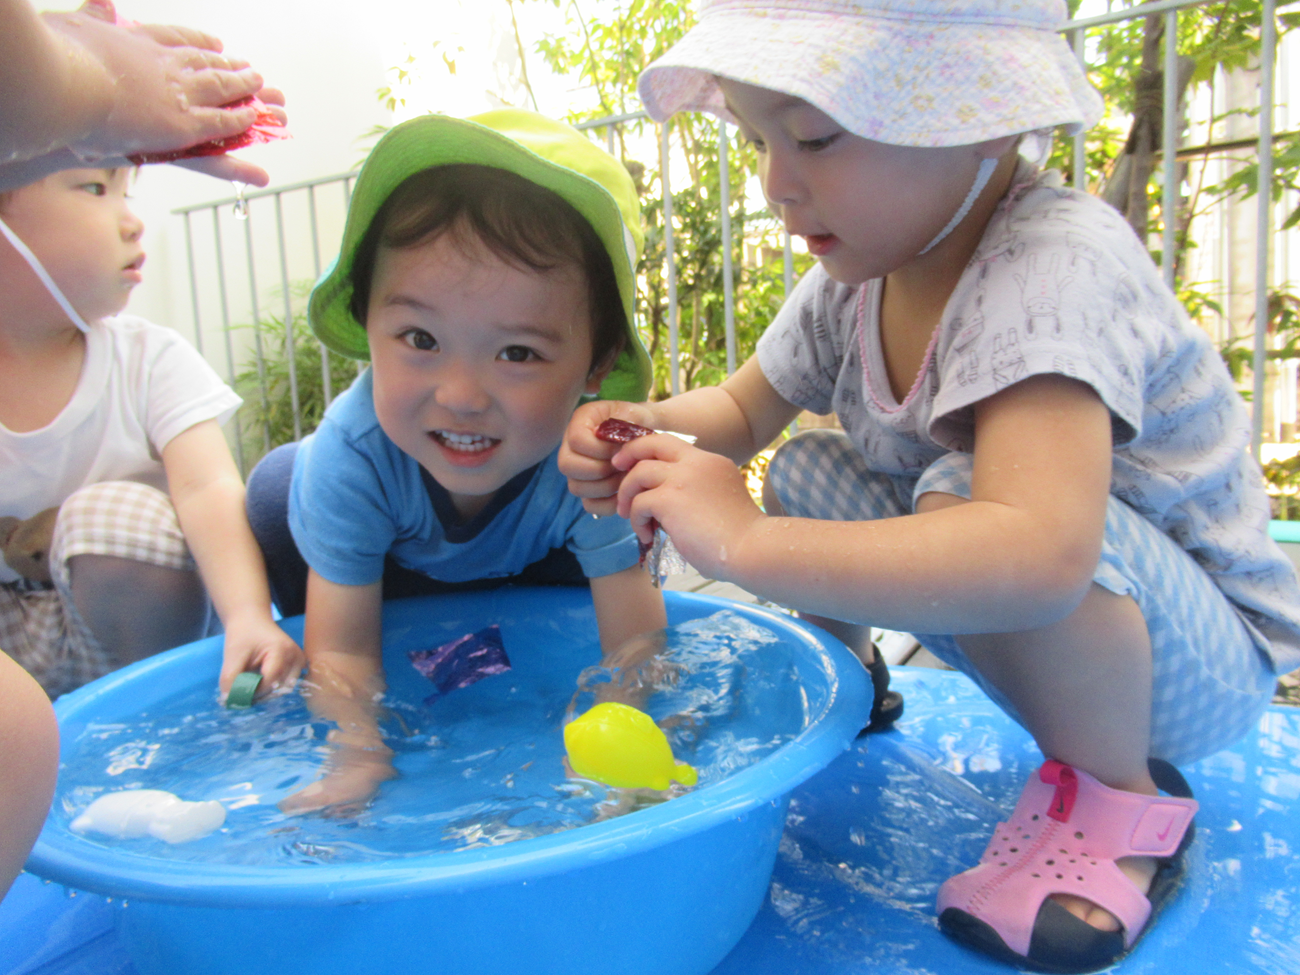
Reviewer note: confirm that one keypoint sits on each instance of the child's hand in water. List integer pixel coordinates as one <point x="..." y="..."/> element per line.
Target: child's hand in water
<point x="585" y="458"/>
<point x="352" y="777"/>
<point x="639" y="671"/>
<point x="347" y="690"/>
<point x="256" y="643"/>
<point x="698" y="498"/>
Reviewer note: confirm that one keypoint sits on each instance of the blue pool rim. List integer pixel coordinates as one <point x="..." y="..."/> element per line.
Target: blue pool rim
<point x="835" y="688"/>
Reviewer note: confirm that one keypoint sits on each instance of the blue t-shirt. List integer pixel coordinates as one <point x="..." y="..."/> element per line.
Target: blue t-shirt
<point x="356" y="498"/>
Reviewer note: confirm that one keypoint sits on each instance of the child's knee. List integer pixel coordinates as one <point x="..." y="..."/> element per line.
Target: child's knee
<point x="266" y="500"/>
<point x="771" y="503"/>
<point x="792" y="477"/>
<point x="937" y="501"/>
<point x="125" y="519"/>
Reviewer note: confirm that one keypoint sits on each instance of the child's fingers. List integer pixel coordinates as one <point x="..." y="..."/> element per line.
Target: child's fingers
<point x="596" y="489"/>
<point x="281" y="670"/>
<point x="662" y="446"/>
<point x="280" y="662"/>
<point x="634" y="502"/>
<point x="602" y="507"/>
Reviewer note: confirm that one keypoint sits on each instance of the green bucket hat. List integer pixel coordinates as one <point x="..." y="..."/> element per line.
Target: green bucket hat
<point x="541" y="150"/>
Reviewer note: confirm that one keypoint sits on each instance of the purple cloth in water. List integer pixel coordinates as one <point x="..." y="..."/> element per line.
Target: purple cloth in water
<point x="463" y="661"/>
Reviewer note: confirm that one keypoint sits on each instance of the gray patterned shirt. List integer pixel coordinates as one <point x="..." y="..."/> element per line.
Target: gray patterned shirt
<point x="1059" y="284"/>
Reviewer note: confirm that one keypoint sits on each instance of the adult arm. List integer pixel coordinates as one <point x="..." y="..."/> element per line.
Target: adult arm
<point x="208" y="495"/>
<point x="77" y="86"/>
<point x="345" y="682"/>
<point x="1020" y="555"/>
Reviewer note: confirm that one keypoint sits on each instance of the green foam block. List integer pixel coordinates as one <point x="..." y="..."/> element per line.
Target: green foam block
<point x="242" y="690"/>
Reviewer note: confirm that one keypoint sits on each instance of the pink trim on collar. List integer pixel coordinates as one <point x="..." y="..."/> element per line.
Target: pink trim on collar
<point x="868" y="383"/>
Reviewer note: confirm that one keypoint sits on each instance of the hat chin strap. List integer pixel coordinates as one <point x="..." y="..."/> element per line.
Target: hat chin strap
<point x="981" y="180"/>
<point x="35" y="263"/>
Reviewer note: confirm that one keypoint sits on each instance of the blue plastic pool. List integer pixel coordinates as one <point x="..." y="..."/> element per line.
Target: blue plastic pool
<point x="667" y="889"/>
<point x="869" y="839"/>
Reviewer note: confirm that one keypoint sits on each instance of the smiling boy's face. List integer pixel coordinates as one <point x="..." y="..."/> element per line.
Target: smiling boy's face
<point x="79" y="224"/>
<point x="477" y="364"/>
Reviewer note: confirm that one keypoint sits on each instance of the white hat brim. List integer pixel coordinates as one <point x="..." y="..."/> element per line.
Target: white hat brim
<point x="903" y="82"/>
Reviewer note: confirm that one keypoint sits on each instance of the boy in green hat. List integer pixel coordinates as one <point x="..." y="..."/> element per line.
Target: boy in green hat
<point x="486" y="272"/>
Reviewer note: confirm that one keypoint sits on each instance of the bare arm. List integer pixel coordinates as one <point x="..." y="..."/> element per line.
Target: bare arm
<point x="54" y="92"/>
<point x="627" y="605"/>
<point x="208" y="495"/>
<point x="1020" y="555"/>
<point x="345" y="682"/>
<point x="29" y="762"/>
<point x="631" y="618"/>
<point x="78" y="89"/>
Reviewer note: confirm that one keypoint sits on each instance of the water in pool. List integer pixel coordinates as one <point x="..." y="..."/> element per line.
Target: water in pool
<point x="481" y="766"/>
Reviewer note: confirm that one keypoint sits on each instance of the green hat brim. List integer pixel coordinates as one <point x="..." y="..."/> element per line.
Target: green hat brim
<point x="440" y="140"/>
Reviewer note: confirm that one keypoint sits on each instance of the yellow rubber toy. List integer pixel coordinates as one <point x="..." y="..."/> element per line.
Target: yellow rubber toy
<point x="620" y="746"/>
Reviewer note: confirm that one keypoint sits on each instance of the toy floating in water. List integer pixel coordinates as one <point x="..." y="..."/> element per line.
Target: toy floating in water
<point x="133" y="813"/>
<point x="463" y="661"/>
<point x="620" y="746"/>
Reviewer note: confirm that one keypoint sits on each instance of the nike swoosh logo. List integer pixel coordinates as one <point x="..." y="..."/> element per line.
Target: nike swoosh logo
<point x="1164" y="833"/>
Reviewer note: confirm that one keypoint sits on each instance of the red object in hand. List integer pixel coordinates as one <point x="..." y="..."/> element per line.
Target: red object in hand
<point x="620" y="431"/>
<point x="266" y="127"/>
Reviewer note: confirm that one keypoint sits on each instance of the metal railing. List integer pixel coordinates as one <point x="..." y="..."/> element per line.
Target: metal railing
<point x="313" y="190"/>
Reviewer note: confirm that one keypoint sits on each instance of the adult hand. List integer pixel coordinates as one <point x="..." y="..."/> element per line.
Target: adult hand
<point x="163" y="87"/>
<point x="585" y="459"/>
<point x="700" y="499"/>
<point x="232" y="167"/>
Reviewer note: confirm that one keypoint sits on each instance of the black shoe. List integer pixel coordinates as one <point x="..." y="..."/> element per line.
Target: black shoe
<point x="886" y="705"/>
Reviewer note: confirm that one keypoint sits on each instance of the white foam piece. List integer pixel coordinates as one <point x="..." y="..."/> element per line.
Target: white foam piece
<point x="133" y="813"/>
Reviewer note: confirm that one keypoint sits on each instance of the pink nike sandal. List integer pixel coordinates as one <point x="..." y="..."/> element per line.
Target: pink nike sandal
<point x="1064" y="837"/>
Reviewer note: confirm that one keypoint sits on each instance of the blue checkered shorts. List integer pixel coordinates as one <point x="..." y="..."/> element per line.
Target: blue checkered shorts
<point x="1212" y="678"/>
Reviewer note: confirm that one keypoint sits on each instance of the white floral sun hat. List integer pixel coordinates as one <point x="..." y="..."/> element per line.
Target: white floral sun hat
<point x="905" y="72"/>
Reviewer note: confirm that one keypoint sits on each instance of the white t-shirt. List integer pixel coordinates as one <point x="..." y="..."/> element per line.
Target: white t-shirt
<point x="1059" y="284"/>
<point x="140" y="386"/>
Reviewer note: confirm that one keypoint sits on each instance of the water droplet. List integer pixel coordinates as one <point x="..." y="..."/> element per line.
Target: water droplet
<point x="240" y="209"/>
<point x="858" y="835"/>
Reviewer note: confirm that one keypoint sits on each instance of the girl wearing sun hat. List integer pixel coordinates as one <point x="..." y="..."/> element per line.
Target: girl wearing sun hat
<point x="1042" y="470"/>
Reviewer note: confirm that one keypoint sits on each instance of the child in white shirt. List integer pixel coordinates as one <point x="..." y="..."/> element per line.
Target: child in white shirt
<point x="116" y="422"/>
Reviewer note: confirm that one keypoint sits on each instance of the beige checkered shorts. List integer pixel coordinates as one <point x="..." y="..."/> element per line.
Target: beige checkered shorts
<point x="40" y="627"/>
